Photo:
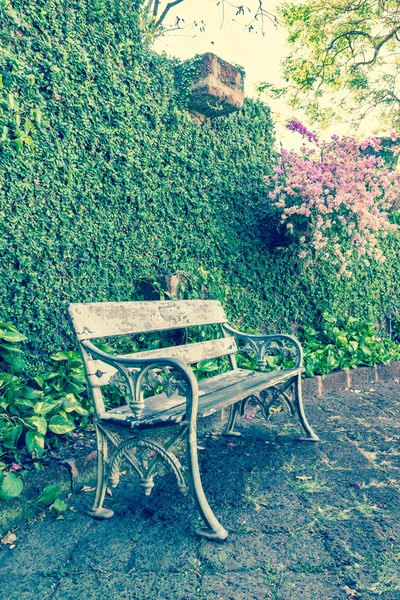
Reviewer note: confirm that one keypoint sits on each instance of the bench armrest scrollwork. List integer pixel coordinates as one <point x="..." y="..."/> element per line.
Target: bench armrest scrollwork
<point x="262" y="345"/>
<point x="140" y="375"/>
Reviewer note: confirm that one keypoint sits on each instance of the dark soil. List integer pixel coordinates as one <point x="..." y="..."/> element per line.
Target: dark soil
<point x="306" y="521"/>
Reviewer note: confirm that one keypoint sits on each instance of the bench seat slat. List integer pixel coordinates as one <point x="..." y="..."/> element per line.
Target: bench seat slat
<point x="215" y="394"/>
<point x="107" y="319"/>
<point x="189" y="353"/>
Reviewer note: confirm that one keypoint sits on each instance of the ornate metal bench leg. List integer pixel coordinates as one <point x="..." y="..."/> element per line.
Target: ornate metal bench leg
<point x="298" y="404"/>
<point x="229" y="430"/>
<point x="97" y="511"/>
<point x="214" y="530"/>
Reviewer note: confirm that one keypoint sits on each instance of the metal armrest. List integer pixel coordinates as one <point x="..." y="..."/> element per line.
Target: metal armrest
<point x="260" y="343"/>
<point x="144" y="374"/>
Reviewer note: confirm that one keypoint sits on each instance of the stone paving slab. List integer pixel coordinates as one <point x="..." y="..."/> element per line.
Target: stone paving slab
<point x="306" y="521"/>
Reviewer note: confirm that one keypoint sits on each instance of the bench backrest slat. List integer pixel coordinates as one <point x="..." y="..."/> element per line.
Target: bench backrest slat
<point x="106" y="319"/>
<point x="99" y="373"/>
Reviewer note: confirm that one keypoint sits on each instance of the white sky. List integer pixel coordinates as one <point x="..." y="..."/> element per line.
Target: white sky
<point x="259" y="55"/>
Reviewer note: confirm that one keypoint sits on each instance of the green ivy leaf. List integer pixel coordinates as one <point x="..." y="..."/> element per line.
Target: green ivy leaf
<point x="70" y="404"/>
<point x="42" y="408"/>
<point x="13" y="336"/>
<point x="59" y="425"/>
<point x="39" y="422"/>
<point x="59" y="506"/>
<point x="34" y="442"/>
<point x="11" y="487"/>
<point x="49" y="495"/>
<point x="59" y="356"/>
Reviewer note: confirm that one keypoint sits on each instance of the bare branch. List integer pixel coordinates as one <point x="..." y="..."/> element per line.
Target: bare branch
<point x="155" y="8"/>
<point x="166" y="11"/>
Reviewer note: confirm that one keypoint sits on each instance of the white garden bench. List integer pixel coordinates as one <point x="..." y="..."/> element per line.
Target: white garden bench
<point x="165" y="399"/>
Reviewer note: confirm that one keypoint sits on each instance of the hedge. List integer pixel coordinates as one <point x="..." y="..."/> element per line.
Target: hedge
<point x="105" y="180"/>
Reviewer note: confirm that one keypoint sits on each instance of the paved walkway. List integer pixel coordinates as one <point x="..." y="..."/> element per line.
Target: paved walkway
<point x="306" y="521"/>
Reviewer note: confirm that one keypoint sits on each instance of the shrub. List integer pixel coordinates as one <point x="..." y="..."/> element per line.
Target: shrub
<point x="34" y="412"/>
<point x="341" y="192"/>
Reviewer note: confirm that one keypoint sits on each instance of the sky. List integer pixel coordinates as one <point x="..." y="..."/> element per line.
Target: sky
<point x="260" y="55"/>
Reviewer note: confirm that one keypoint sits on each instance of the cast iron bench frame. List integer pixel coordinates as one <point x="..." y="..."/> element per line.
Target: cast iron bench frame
<point x="135" y="429"/>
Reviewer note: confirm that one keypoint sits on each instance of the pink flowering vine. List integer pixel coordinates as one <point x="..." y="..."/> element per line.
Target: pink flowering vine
<point x="342" y="191"/>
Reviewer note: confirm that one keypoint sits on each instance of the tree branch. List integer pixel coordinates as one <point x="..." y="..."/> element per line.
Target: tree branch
<point x="155" y="8"/>
<point x="165" y="11"/>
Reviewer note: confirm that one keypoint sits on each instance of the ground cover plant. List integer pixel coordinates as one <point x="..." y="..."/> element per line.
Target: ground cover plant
<point x="35" y="410"/>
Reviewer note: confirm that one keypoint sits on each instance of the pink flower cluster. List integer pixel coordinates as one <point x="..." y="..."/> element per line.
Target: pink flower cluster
<point x="294" y="125"/>
<point x="343" y="194"/>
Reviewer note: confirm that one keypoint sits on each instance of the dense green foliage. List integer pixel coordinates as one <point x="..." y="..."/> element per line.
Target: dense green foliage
<point x="345" y="343"/>
<point x="38" y="409"/>
<point x="343" y="59"/>
<point x="106" y="180"/>
<point x="120" y="184"/>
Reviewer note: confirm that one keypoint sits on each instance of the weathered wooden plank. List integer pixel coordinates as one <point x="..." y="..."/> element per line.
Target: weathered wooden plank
<point x="214" y="394"/>
<point x="102" y="319"/>
<point x="99" y="373"/>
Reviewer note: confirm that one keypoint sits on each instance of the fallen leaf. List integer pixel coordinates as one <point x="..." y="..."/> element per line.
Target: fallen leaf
<point x="12" y="546"/>
<point x="9" y="538"/>
<point x="303" y="477"/>
<point x="15" y="467"/>
<point x="350" y="592"/>
<point x="194" y="572"/>
<point x="87" y="488"/>
<point x="276" y="409"/>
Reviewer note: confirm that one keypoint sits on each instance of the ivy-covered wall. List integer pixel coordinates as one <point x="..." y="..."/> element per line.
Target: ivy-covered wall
<point x="105" y="179"/>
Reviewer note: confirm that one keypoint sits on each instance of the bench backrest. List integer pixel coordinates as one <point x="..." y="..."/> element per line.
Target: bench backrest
<point x="106" y="319"/>
<point x="109" y="319"/>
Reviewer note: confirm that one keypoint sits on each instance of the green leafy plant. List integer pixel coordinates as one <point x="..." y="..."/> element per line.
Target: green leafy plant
<point x="10" y="486"/>
<point x="342" y="344"/>
<point x="34" y="412"/>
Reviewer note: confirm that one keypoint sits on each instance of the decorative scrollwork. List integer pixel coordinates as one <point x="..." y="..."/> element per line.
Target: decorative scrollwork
<point x="120" y="382"/>
<point x="145" y="457"/>
<point x="265" y="346"/>
<point x="165" y="379"/>
<point x="151" y="380"/>
<point x="270" y="401"/>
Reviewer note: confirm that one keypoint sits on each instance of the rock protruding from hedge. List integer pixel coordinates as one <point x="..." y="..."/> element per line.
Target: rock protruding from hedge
<point x="217" y="87"/>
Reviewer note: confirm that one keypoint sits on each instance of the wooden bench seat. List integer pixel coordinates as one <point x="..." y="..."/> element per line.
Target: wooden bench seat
<point x="164" y="396"/>
<point x="215" y="394"/>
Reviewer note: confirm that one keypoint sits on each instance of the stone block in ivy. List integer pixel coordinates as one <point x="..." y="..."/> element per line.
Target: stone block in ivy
<point x="215" y="87"/>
